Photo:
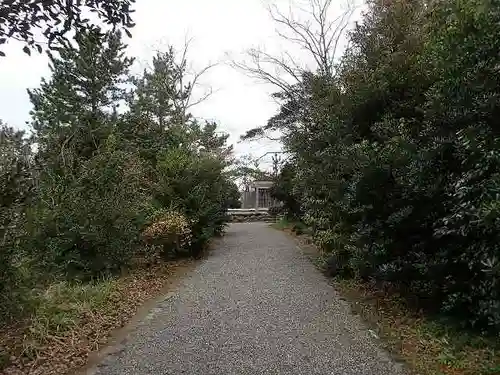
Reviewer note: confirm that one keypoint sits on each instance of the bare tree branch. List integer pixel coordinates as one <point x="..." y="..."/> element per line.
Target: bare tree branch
<point x="318" y="35"/>
<point x="193" y="77"/>
<point x="255" y="69"/>
<point x="195" y="83"/>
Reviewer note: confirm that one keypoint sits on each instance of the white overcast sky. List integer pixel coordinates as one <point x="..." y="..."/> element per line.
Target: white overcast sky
<point x="219" y="28"/>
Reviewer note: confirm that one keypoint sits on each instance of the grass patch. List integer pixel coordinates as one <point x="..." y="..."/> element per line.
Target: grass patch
<point x="296" y="227"/>
<point x="281" y="224"/>
<point x="64" y="306"/>
<point x="428" y="346"/>
<point x="70" y="320"/>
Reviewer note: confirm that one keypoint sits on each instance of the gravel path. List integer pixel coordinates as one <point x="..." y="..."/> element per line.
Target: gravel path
<point x="256" y="305"/>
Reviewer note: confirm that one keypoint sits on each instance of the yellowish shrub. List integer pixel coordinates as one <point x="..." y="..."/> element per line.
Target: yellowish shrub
<point x="171" y="230"/>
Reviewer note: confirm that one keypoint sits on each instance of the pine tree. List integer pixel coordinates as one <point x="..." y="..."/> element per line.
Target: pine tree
<point x="73" y="109"/>
<point x="162" y="93"/>
<point x="156" y="121"/>
<point x="208" y="139"/>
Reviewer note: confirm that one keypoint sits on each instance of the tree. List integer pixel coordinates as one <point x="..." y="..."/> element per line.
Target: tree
<point x="158" y="92"/>
<point x="164" y="93"/>
<point x="283" y="191"/>
<point x="72" y="111"/>
<point x="233" y="195"/>
<point x="92" y="193"/>
<point x="23" y="19"/>
<point x="195" y="184"/>
<point x="160" y="101"/>
<point x="396" y="155"/>
<point x="16" y="192"/>
<point x="208" y="139"/>
<point x="317" y="35"/>
<point x="246" y="170"/>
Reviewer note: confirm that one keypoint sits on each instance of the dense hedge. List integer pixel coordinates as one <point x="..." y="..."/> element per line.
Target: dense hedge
<point x="397" y="157"/>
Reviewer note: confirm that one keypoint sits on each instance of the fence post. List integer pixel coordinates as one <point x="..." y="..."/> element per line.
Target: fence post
<point x="256" y="199"/>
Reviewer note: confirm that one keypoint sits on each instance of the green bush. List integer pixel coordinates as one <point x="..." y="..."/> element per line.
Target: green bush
<point x="233" y="195"/>
<point x="283" y="191"/>
<point x="91" y="223"/>
<point x="194" y="184"/>
<point x="16" y="188"/>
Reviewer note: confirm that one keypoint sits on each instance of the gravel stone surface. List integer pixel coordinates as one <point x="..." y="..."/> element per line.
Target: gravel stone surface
<point x="256" y="305"/>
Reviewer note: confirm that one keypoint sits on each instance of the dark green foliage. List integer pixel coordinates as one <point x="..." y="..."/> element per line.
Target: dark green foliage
<point x="91" y="223"/>
<point x="16" y="190"/>
<point x="193" y="183"/>
<point x="90" y="193"/>
<point x="186" y="158"/>
<point x="396" y="157"/>
<point x="233" y="196"/>
<point x="72" y="111"/>
<point x="283" y="191"/>
<point x="25" y="19"/>
<point x="464" y="105"/>
<point x="159" y="95"/>
<point x="102" y="174"/>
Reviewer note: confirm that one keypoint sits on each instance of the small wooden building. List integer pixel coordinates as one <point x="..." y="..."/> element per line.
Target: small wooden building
<point x="257" y="195"/>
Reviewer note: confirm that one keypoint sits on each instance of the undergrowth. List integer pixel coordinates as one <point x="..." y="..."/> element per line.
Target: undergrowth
<point x="69" y="320"/>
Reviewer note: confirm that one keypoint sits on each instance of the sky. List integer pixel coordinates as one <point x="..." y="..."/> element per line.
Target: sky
<point x="220" y="31"/>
